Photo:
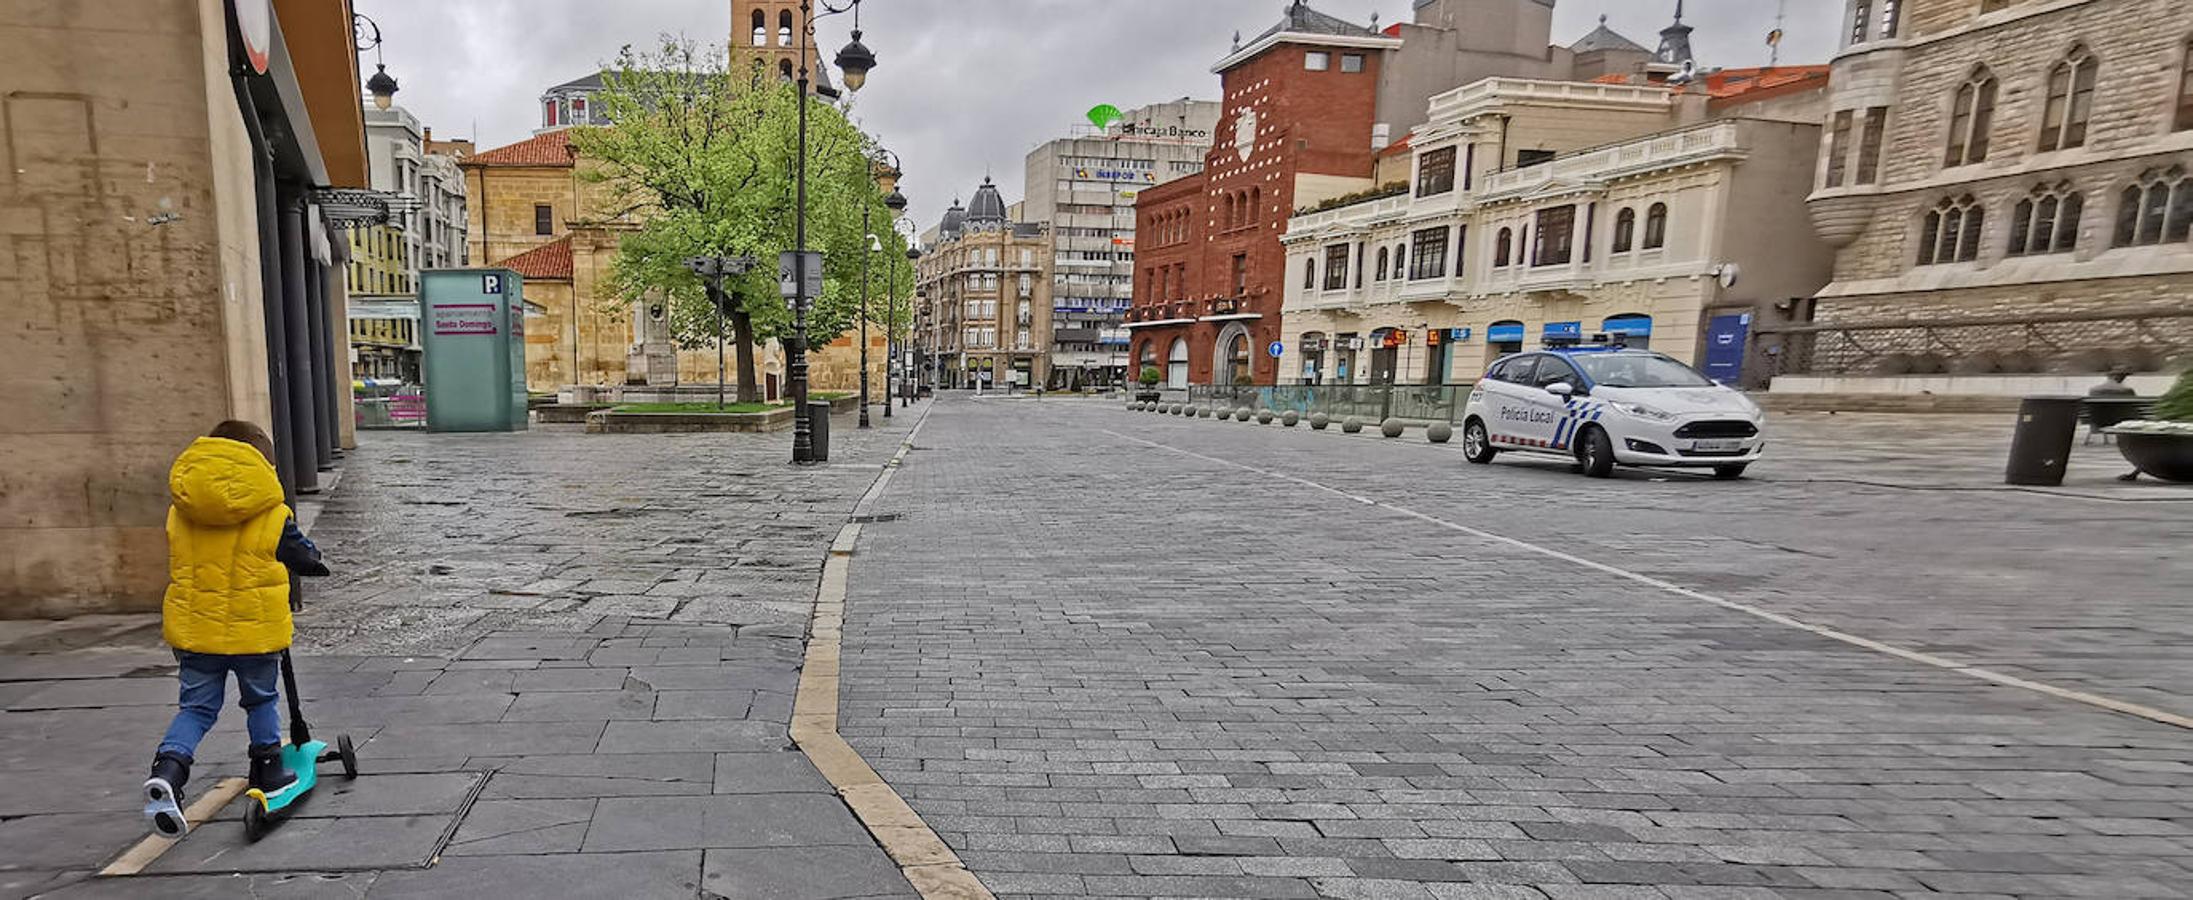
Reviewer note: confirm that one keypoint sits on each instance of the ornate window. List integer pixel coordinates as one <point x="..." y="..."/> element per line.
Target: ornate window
<point x="1625" y="229"/>
<point x="1384" y="256"/>
<point x="1435" y="172"/>
<point x="1309" y="273"/>
<point x="2156" y="209"/>
<point x="2046" y="221"/>
<point x="1431" y="254"/>
<point x="1656" y="226"/>
<point x="1336" y="267"/>
<point x="2070" y="101"/>
<point x="1503" y="248"/>
<point x="1556" y="237"/>
<point x="1400" y="258"/>
<point x="1951" y="232"/>
<point x="1972" y="114"/>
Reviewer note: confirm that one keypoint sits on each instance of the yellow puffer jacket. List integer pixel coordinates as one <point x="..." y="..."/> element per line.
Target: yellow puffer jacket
<point x="227" y="594"/>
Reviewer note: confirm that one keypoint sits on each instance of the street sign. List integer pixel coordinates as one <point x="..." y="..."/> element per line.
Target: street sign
<point x="793" y="267"/>
<point x="1277" y="349"/>
<point x="491" y="284"/>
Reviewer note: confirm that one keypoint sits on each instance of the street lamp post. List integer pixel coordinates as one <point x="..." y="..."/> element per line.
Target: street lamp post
<point x="866" y="254"/>
<point x="913" y="256"/>
<point x="855" y="61"/>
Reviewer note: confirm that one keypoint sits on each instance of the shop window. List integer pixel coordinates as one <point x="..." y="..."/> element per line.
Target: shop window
<point x="1972" y="114"/>
<point x="2156" y="208"/>
<point x="1951" y="232"/>
<point x="1656" y="226"/>
<point x="2070" y="101"/>
<point x="2046" y="221"/>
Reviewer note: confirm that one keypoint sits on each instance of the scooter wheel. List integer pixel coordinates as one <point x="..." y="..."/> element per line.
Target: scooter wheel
<point x="348" y="755"/>
<point x="255" y="820"/>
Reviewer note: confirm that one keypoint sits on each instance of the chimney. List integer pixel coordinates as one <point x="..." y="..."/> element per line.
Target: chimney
<point x="429" y="133"/>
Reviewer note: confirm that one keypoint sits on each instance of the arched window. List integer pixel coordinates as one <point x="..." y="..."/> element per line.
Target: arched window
<point x="1503" y="251"/>
<point x="1656" y="226"/>
<point x="1971" y="115"/>
<point x="1176" y="364"/>
<point x="1383" y="256"/>
<point x="760" y="37"/>
<point x="2156" y="208"/>
<point x="2046" y="221"/>
<point x="2070" y="100"/>
<point x="1400" y="258"/>
<point x="1309" y="273"/>
<point x="1625" y="229"/>
<point x="784" y="28"/>
<point x="1256" y="204"/>
<point x="1951" y="232"/>
<point x="784" y="67"/>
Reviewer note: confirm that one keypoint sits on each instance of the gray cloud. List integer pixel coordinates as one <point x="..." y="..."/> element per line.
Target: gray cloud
<point x="963" y="86"/>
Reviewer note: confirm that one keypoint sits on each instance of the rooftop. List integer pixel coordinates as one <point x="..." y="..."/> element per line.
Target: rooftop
<point x="547" y="262"/>
<point x="551" y="150"/>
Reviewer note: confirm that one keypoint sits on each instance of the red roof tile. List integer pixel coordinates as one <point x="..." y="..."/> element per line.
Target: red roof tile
<point x="546" y="150"/>
<point x="547" y="262"/>
<point x="1745" y="85"/>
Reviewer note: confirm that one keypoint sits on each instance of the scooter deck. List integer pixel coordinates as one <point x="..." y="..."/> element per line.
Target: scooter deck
<point x="305" y="763"/>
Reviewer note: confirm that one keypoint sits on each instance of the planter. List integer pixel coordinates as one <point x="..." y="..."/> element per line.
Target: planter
<point x="568" y="413"/>
<point x="612" y="422"/>
<point x="2165" y="456"/>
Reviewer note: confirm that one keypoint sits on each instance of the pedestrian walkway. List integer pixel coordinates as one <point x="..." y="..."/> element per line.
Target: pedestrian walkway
<point x="1117" y="654"/>
<point x="568" y="662"/>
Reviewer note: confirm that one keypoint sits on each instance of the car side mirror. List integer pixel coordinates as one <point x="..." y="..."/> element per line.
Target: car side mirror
<point x="1561" y="389"/>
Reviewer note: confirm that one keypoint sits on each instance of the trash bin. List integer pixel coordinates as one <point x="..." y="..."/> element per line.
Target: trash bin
<point x="818" y="416"/>
<point x="2040" y="450"/>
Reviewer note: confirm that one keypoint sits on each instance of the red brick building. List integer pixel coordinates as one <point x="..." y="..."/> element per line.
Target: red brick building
<point x="1297" y="129"/>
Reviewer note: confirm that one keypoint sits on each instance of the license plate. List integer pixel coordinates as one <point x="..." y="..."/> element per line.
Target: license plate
<point x="1719" y="446"/>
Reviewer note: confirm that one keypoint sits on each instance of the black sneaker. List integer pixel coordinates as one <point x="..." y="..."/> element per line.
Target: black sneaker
<point x="268" y="774"/>
<point x="164" y="795"/>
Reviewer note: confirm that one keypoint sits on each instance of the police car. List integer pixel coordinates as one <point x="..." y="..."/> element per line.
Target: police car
<point x="1608" y="405"/>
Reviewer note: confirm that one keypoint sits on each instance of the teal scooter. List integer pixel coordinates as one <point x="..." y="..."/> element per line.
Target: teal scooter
<point x="303" y="756"/>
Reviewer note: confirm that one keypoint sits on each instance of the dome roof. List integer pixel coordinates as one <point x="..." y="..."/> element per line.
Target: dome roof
<point x="954" y="220"/>
<point x="988" y="208"/>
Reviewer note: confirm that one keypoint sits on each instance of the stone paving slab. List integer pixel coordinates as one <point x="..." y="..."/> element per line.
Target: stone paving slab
<point x="490" y="619"/>
<point x="1120" y="646"/>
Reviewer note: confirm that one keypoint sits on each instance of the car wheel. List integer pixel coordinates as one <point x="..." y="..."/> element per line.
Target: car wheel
<point x="1476" y="443"/>
<point x="1730" y="472"/>
<point x="1595" y="453"/>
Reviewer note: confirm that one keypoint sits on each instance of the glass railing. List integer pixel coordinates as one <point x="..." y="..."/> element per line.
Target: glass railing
<point x="1371" y="402"/>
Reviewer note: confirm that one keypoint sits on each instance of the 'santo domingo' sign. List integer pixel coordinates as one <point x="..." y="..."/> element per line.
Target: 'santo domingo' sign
<point x="464" y="319"/>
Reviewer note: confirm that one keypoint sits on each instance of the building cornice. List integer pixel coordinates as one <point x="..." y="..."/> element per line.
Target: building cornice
<point x="1258" y="48"/>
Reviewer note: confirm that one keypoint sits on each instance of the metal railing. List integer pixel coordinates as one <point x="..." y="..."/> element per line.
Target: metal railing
<point x="1371" y="402"/>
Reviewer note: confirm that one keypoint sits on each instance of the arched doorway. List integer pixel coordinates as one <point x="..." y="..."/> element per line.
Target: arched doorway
<point x="1234" y="363"/>
<point x="1176" y="364"/>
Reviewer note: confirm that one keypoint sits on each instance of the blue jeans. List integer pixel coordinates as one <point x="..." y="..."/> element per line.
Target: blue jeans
<point x="203" y="677"/>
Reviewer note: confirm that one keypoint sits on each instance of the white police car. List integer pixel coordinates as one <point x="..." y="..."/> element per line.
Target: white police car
<point x="1606" y="406"/>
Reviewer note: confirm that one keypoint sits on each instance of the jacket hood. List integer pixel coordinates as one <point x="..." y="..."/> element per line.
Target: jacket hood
<point x="222" y="483"/>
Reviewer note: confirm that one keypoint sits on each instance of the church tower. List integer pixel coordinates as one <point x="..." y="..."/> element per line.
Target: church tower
<point x="1675" y="41"/>
<point x="771" y="30"/>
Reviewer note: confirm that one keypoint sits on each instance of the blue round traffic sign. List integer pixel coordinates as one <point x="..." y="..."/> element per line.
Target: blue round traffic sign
<point x="1277" y="349"/>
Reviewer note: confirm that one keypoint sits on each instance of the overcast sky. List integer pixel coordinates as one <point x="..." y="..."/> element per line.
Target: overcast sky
<point x="962" y="86"/>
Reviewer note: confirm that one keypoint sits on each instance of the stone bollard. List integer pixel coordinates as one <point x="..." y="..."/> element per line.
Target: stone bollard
<point x="1439" y="433"/>
<point x="1390" y="428"/>
<point x="1318" y="421"/>
<point x="1242" y="414"/>
<point x="1352" y="425"/>
<point x="1264" y="417"/>
<point x="1202" y="412"/>
<point x="1289" y="418"/>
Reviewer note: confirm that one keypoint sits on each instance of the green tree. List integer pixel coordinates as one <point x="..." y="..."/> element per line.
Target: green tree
<point x="2176" y="404"/>
<point x="702" y="156"/>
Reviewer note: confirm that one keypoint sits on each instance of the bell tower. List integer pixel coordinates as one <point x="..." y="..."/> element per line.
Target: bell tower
<point x="771" y="31"/>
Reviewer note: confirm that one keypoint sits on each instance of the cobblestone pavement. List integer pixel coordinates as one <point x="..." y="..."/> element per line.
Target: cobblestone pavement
<point x="568" y="663"/>
<point x="1117" y="654"/>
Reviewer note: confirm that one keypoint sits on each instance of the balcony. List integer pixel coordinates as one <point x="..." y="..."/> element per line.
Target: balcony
<point x="1709" y="141"/>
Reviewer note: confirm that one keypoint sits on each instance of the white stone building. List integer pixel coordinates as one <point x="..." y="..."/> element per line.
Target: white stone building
<point x="2007" y="187"/>
<point x="1539" y="210"/>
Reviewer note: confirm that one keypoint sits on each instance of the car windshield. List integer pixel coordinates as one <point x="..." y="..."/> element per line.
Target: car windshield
<point x="1638" y="370"/>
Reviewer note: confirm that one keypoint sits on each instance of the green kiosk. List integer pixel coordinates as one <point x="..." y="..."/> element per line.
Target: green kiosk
<point x="473" y="331"/>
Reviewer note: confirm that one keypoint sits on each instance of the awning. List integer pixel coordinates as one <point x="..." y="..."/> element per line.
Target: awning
<point x="1504" y="332"/>
<point x="1629" y="326"/>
